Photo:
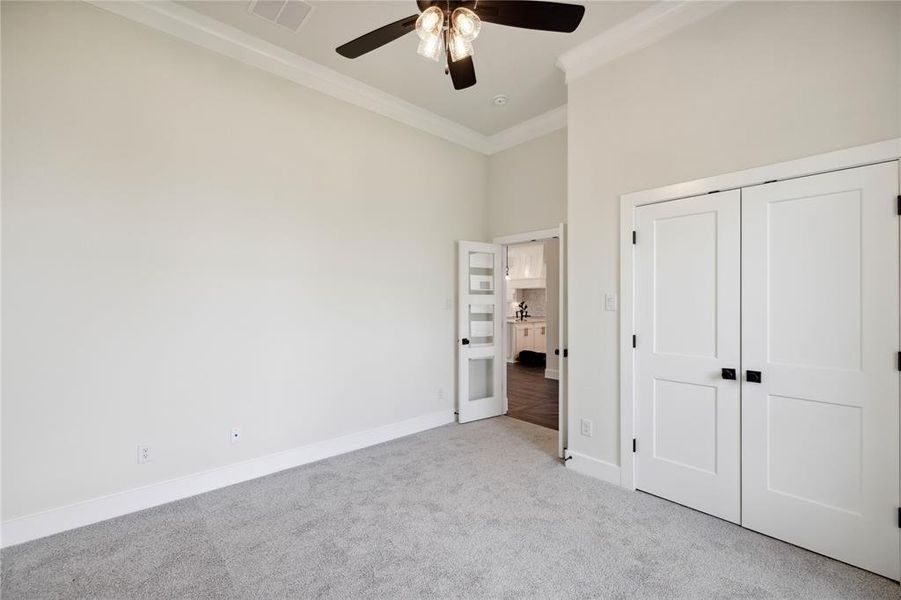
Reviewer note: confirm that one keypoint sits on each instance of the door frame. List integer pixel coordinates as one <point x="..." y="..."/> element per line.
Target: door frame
<point x="558" y="232"/>
<point x="858" y="156"/>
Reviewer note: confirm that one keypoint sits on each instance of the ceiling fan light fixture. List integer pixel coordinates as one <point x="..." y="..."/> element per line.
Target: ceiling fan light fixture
<point x="452" y="25"/>
<point x="460" y="47"/>
<point x="466" y="23"/>
<point x="430" y="47"/>
<point x="430" y="22"/>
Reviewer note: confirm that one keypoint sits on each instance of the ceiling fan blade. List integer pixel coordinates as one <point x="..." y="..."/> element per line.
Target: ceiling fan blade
<point x="528" y="14"/>
<point x="462" y="72"/>
<point x="377" y="38"/>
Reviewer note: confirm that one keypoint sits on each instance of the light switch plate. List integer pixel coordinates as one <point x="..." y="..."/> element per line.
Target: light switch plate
<point x="610" y="302"/>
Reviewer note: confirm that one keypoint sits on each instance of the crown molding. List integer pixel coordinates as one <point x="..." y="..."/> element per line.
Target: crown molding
<point x="633" y="34"/>
<point x="191" y="26"/>
<point x="206" y="32"/>
<point x="535" y="127"/>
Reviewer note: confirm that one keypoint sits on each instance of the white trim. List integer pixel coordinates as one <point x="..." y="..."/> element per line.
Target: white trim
<point x="535" y="127"/>
<point x="30" y="527"/>
<point x="593" y="467"/>
<point x="552" y="374"/>
<point x="206" y="32"/>
<point x="528" y="236"/>
<point x="847" y="158"/>
<point x="633" y="34"/>
<point x="214" y="35"/>
<point x="821" y="163"/>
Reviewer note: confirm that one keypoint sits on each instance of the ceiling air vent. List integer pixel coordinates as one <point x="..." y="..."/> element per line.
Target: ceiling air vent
<point x="290" y="14"/>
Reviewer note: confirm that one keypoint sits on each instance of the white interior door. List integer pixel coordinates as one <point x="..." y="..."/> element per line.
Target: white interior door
<point x="687" y="326"/>
<point x="821" y="326"/>
<point x="481" y="315"/>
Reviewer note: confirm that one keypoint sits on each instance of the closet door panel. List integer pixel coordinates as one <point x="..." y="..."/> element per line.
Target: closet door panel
<point x="687" y="327"/>
<point x="820" y="323"/>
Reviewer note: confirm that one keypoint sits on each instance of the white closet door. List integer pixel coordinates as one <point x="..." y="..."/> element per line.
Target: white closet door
<point x="687" y="315"/>
<point x="821" y="325"/>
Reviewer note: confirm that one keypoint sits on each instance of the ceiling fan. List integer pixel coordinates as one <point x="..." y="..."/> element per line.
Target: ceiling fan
<point x="452" y="25"/>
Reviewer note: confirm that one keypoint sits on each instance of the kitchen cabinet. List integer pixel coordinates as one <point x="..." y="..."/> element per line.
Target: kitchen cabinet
<point x="527" y="335"/>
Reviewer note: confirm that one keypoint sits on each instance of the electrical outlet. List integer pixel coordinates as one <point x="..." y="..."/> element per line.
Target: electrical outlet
<point x="235" y="435"/>
<point x="587" y="427"/>
<point x="144" y="454"/>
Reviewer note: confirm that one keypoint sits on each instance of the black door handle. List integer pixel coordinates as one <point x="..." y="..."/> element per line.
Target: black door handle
<point x="465" y="341"/>
<point x="729" y="374"/>
<point x="754" y="376"/>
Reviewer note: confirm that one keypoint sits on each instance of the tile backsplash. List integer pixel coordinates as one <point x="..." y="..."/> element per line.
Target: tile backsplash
<point x="536" y="298"/>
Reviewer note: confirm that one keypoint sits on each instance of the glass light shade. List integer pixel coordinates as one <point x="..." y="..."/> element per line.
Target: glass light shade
<point x="460" y="47"/>
<point x="430" y="47"/>
<point x="467" y="23"/>
<point x="429" y="22"/>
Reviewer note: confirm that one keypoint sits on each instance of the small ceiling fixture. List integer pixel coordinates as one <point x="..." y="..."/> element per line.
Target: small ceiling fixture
<point x="500" y="100"/>
<point x="448" y="27"/>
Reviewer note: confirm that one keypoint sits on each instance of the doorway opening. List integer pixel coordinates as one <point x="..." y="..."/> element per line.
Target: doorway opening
<point x="531" y="332"/>
<point x="511" y="356"/>
<point x="533" y="289"/>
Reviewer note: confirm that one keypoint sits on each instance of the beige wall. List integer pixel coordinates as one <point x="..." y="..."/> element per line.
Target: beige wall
<point x="527" y="186"/>
<point x="753" y="84"/>
<point x="190" y="244"/>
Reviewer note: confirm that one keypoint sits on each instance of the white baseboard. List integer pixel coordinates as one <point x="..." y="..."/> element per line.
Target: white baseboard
<point x="551" y="374"/>
<point x="38" y="525"/>
<point x="594" y="467"/>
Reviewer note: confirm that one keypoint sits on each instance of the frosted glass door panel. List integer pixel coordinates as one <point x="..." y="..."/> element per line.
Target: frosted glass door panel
<point x="481" y="378"/>
<point x="481" y="273"/>
<point x="481" y="324"/>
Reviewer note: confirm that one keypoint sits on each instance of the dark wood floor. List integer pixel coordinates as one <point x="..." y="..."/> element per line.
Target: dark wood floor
<point x="531" y="397"/>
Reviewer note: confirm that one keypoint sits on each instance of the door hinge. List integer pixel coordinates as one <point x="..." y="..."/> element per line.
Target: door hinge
<point x="899" y="205"/>
<point x="899" y="517"/>
<point x="899" y="361"/>
<point x="634" y="237"/>
<point x="634" y="445"/>
<point x="566" y="353"/>
<point x="634" y="341"/>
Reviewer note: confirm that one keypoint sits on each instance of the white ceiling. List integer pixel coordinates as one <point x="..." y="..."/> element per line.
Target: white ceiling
<point x="516" y="62"/>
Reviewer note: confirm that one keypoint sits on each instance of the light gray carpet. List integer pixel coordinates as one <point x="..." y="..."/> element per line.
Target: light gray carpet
<point x="481" y="510"/>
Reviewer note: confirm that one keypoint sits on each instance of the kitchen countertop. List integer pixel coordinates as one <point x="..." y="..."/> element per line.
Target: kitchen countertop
<point x="527" y="321"/>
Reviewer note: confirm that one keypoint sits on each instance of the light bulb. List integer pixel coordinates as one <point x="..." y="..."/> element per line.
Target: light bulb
<point x="430" y="22"/>
<point x="430" y="47"/>
<point x="467" y="23"/>
<point x="460" y="47"/>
